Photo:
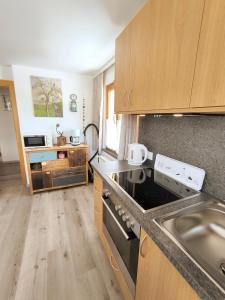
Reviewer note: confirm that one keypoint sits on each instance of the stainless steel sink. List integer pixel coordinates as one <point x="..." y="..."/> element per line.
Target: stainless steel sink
<point x="200" y="231"/>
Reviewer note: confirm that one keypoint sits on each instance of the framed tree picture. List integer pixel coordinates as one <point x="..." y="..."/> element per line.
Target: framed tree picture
<point x="47" y="97"/>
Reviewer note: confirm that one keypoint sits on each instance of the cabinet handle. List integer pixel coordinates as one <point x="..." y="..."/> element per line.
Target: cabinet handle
<point x="141" y="246"/>
<point x="111" y="263"/>
<point x="129" y="96"/>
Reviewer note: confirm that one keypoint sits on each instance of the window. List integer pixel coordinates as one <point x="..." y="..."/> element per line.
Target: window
<point x="112" y="123"/>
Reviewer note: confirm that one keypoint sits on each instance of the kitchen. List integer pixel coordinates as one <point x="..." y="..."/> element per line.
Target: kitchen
<point x="152" y="224"/>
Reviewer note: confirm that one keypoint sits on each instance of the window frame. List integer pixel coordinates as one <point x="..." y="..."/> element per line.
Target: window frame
<point x="109" y="87"/>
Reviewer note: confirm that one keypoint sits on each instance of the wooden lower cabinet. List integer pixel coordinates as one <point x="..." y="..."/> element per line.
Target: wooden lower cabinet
<point x="157" y="279"/>
<point x="98" y="205"/>
<point x="119" y="275"/>
<point x="98" y="210"/>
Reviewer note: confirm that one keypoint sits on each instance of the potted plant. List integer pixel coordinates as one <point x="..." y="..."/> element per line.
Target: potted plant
<point x="61" y="140"/>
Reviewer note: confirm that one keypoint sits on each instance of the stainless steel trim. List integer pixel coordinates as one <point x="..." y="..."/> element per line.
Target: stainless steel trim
<point x="195" y="259"/>
<point x="115" y="219"/>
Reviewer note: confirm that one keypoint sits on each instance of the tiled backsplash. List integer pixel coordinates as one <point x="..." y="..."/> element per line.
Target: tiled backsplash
<point x="197" y="140"/>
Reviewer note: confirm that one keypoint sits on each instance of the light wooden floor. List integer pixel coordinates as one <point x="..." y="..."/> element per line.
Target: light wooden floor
<point x="49" y="248"/>
<point x="9" y="170"/>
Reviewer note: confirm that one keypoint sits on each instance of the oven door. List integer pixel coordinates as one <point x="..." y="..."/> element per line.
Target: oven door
<point x="123" y="242"/>
<point x="34" y="141"/>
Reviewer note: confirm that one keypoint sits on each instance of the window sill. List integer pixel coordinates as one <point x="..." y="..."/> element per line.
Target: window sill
<point x="106" y="154"/>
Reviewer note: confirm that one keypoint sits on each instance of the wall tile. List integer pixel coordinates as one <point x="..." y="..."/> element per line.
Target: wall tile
<point x="197" y="140"/>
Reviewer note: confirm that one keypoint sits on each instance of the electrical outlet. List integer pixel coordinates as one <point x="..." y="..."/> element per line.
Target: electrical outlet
<point x="150" y="155"/>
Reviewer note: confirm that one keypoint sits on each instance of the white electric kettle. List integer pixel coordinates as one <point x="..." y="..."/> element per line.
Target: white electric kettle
<point x="137" y="154"/>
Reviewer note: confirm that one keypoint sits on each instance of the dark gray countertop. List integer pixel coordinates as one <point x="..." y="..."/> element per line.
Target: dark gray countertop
<point x="201" y="283"/>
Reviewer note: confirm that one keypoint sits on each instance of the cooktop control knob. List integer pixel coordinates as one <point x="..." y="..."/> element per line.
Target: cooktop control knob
<point x="125" y="218"/>
<point x="121" y="212"/>
<point x="106" y="194"/>
<point x="117" y="207"/>
<point x="129" y="224"/>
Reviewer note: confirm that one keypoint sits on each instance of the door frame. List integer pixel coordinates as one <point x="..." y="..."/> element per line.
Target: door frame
<point x="10" y="85"/>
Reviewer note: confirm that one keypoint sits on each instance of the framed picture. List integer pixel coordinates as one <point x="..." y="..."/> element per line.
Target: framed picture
<point x="47" y="97"/>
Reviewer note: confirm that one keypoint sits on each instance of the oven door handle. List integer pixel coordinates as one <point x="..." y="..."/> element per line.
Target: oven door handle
<point x="127" y="237"/>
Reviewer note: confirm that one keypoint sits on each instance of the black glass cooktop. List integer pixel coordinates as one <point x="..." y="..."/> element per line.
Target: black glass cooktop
<point x="150" y="188"/>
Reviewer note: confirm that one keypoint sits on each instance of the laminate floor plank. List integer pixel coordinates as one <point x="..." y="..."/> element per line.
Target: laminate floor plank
<point x="49" y="247"/>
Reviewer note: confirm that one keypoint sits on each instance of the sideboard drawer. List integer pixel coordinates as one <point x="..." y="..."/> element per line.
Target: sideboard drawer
<point x="69" y="172"/>
<point x="64" y="181"/>
<point x="41" y="181"/>
<point x="42" y="156"/>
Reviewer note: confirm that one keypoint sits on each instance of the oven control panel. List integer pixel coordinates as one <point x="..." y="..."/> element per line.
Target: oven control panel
<point x="122" y="212"/>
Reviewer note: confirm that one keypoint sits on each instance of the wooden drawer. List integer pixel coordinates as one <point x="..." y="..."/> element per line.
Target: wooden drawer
<point x="69" y="172"/>
<point x="42" y="156"/>
<point x="97" y="198"/>
<point x="98" y="182"/>
<point x="68" y="180"/>
<point x="41" y="181"/>
<point x="55" y="164"/>
<point x="77" y="157"/>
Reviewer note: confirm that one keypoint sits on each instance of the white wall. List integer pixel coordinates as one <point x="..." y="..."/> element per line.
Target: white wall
<point x="6" y="73"/>
<point x="8" y="146"/>
<point x="82" y="86"/>
<point x="79" y="85"/>
<point x="109" y="75"/>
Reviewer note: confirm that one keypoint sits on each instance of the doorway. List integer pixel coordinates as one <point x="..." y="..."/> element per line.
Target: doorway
<point x="11" y="157"/>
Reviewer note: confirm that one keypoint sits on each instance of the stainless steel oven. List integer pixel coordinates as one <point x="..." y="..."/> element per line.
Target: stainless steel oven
<point x="122" y="232"/>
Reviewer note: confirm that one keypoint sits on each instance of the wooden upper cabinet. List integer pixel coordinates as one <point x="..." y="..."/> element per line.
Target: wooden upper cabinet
<point x="163" y="40"/>
<point x="122" y="71"/>
<point x="157" y="278"/>
<point x="209" y="81"/>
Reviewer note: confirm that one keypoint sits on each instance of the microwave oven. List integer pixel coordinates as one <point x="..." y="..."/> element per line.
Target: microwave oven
<point x="37" y="141"/>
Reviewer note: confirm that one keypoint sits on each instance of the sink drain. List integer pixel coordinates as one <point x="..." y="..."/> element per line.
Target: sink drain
<point x="222" y="267"/>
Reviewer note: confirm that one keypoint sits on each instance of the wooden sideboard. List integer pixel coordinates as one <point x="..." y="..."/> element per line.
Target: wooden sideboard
<point x="47" y="169"/>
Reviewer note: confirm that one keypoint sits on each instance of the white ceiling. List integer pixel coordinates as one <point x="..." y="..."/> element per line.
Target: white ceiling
<point x="71" y="35"/>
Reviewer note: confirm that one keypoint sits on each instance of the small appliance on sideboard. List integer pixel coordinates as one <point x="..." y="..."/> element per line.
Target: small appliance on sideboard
<point x="41" y="140"/>
<point x="75" y="138"/>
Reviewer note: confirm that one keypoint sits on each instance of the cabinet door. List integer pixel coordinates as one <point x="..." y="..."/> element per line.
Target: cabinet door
<point x="122" y="71"/>
<point x="157" y="278"/>
<point x="163" y="40"/>
<point x="41" y="181"/>
<point x="98" y="211"/>
<point x="209" y="83"/>
<point x="98" y="205"/>
<point x="77" y="157"/>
